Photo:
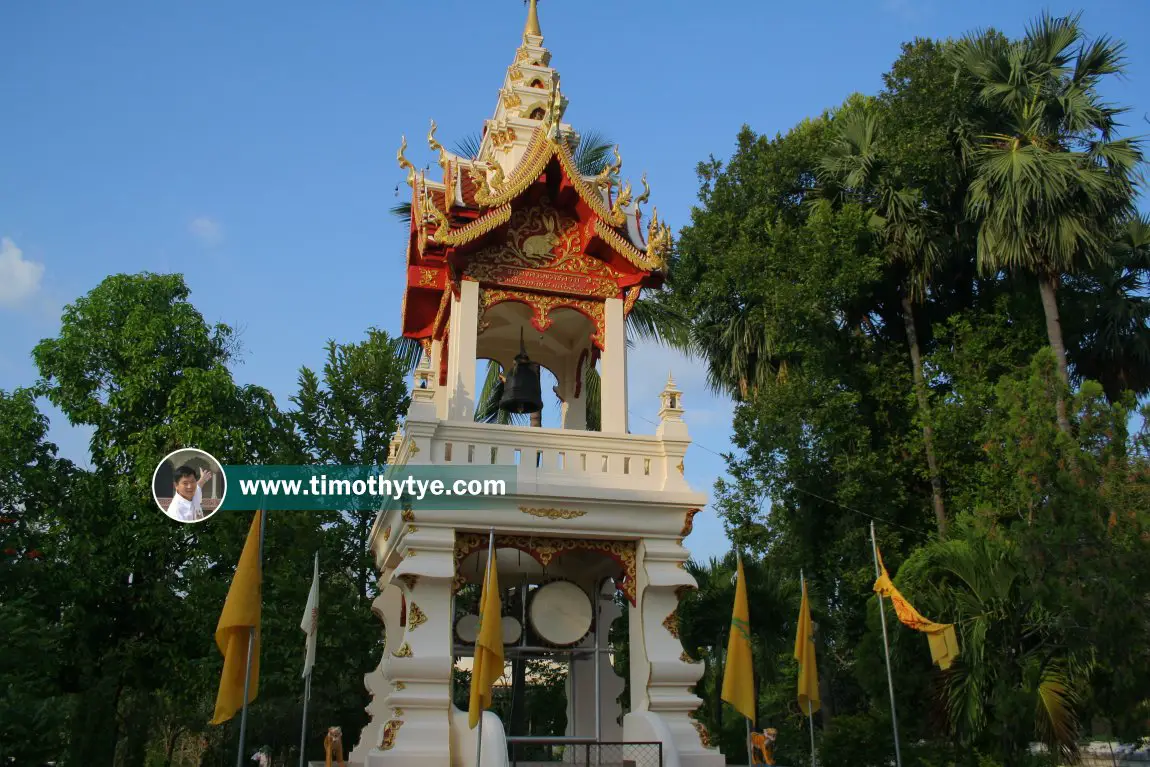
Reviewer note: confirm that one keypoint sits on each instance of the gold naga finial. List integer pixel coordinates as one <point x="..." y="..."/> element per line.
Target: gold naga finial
<point x="622" y="201"/>
<point x="604" y="179"/>
<point x="659" y="240"/>
<point x="404" y="163"/>
<point x="643" y="198"/>
<point x="532" y="26"/>
<point x="436" y="146"/>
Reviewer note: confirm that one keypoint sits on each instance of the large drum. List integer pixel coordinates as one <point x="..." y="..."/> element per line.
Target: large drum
<point x="561" y="613"/>
<point x="467" y="627"/>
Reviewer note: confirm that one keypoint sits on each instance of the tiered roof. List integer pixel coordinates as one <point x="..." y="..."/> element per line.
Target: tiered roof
<point x="460" y="225"/>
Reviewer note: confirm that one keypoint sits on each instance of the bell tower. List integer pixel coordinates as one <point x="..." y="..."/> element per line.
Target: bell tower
<point x="527" y="257"/>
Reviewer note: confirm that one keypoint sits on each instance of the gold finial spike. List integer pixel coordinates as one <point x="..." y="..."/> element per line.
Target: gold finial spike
<point x="532" y="27"/>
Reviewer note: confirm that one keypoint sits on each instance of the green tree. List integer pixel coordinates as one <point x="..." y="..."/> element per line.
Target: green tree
<point x="135" y="361"/>
<point x="1050" y="176"/>
<point x="34" y="486"/>
<point x="1108" y="322"/>
<point x="908" y="232"/>
<point x="348" y="419"/>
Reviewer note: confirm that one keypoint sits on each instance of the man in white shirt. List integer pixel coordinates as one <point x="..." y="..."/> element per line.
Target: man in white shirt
<point x="187" y="505"/>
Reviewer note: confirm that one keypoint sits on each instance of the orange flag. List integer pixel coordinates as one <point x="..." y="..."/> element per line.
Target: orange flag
<point x="943" y="641"/>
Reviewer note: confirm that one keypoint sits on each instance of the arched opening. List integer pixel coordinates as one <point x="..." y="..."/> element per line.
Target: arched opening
<point x="537" y="83"/>
<point x="557" y="349"/>
<point x="538" y="113"/>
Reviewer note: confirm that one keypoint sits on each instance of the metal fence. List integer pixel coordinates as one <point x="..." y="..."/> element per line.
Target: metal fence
<point x="1119" y="757"/>
<point x="541" y="752"/>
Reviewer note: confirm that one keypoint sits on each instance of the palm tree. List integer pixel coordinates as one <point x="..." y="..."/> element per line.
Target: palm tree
<point x="651" y="318"/>
<point x="854" y="168"/>
<point x="705" y="618"/>
<point x="1011" y="680"/>
<point x="1109" y="331"/>
<point x="1049" y="176"/>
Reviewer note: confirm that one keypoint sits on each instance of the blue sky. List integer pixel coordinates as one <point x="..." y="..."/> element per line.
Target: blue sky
<point x="252" y="146"/>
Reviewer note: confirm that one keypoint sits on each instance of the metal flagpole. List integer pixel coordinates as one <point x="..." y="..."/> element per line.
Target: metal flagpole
<point x="306" y="698"/>
<point x="750" y="752"/>
<point x="810" y="708"/>
<point x="886" y="649"/>
<point x="487" y="580"/>
<point x="251" y="647"/>
<point x="303" y="727"/>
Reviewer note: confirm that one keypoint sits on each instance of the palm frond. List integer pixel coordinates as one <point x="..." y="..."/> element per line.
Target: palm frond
<point x="652" y="318"/>
<point x="402" y="213"/>
<point x="593" y="153"/>
<point x="468" y="146"/>
<point x="409" y="351"/>
<point x="1056" y="719"/>
<point x="487" y="408"/>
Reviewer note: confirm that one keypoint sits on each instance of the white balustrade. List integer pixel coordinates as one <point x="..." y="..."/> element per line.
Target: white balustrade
<point x="557" y="456"/>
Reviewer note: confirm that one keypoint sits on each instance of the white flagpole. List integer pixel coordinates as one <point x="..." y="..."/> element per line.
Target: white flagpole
<point x="251" y="646"/>
<point x="306" y="689"/>
<point x="810" y="709"/>
<point x="886" y="649"/>
<point x="487" y="581"/>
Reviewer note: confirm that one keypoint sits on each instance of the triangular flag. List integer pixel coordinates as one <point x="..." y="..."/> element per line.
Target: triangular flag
<point x="240" y="617"/>
<point x="310" y="623"/>
<point x="805" y="655"/>
<point x="739" y="676"/>
<point x="488" y="666"/>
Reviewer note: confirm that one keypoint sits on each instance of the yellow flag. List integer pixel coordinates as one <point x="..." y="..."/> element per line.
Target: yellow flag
<point x="240" y="616"/>
<point x="941" y="636"/>
<point x="805" y="655"/>
<point x="488" y="665"/>
<point x="739" y="676"/>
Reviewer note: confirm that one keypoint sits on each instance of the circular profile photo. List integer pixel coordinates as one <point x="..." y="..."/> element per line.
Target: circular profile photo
<point x="189" y="485"/>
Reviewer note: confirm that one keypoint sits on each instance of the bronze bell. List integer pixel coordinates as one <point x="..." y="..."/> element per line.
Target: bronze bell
<point x="522" y="393"/>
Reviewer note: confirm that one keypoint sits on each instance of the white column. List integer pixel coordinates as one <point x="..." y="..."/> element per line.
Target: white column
<point x="574" y="409"/>
<point x="461" y="384"/>
<point x="614" y="385"/>
<point x="441" y="392"/>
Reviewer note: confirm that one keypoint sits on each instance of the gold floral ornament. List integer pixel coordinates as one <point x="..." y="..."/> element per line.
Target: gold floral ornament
<point x="400" y="685"/>
<point x="404" y="651"/>
<point x="543" y="550"/>
<point x="632" y="297"/>
<point x="390" y="730"/>
<point x="415" y="616"/>
<point x="704" y="734"/>
<point x="553" y="513"/>
<point x="671" y="623"/>
<point x="689" y="523"/>
<point x="404" y="163"/>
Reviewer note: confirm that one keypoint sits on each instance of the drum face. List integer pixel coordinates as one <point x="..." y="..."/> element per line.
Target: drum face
<point x="560" y="613"/>
<point x="512" y="630"/>
<point x="467" y="629"/>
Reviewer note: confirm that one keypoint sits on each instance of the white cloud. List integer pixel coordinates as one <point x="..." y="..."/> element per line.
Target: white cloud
<point x="207" y="230"/>
<point x="19" y="278"/>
